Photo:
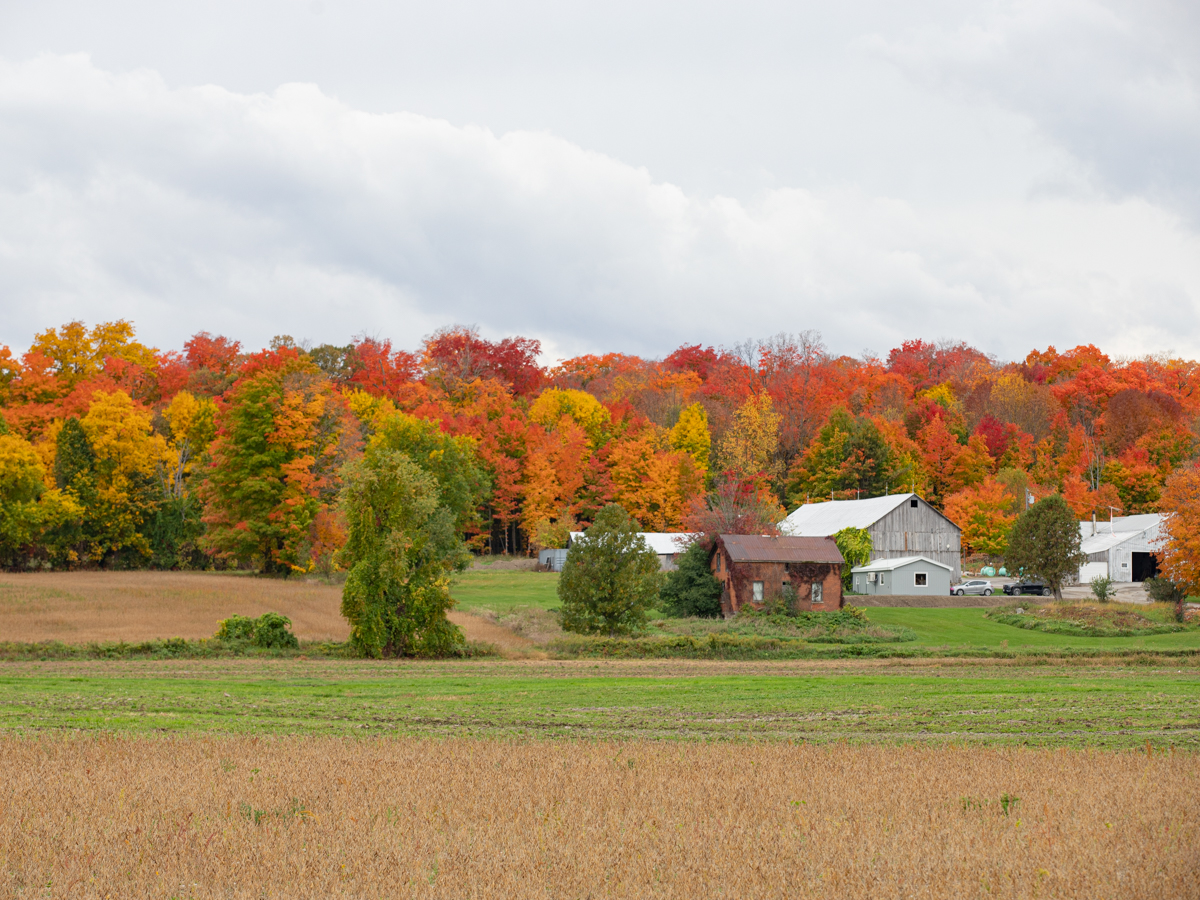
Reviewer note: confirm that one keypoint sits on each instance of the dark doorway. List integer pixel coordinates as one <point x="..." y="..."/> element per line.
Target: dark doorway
<point x="1144" y="566"/>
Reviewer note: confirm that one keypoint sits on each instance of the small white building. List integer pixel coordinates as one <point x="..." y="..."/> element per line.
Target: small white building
<point x="1122" y="549"/>
<point x="667" y="544"/>
<point x="903" y="575"/>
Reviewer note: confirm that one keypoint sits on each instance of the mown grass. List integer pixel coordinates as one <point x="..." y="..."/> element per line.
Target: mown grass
<point x="503" y="591"/>
<point x="314" y="818"/>
<point x="1110" y="706"/>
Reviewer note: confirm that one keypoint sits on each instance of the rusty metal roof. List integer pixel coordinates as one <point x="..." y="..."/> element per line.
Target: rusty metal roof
<point x="766" y="548"/>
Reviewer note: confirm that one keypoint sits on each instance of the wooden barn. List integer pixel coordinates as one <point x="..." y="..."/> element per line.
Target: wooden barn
<point x="754" y="569"/>
<point x="900" y="525"/>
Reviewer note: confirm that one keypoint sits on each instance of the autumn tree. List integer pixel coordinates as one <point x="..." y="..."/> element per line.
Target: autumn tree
<point x="401" y="548"/>
<point x="734" y="507"/>
<point x="848" y="457"/>
<point x="747" y="449"/>
<point x="982" y="512"/>
<point x="651" y="481"/>
<point x="283" y="434"/>
<point x="34" y="520"/>
<point x="690" y="435"/>
<point x="610" y="577"/>
<point x="856" y="547"/>
<point x="1180" y="553"/>
<point x="1044" y="542"/>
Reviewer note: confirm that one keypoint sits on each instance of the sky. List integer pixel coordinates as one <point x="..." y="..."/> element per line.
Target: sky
<point x="605" y="176"/>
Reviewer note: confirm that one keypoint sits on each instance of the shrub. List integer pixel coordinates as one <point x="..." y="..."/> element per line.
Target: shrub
<point x="269" y="631"/>
<point x="1164" y="590"/>
<point x="691" y="590"/>
<point x="1102" y="588"/>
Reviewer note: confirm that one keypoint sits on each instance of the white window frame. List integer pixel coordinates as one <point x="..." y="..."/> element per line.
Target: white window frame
<point x="756" y="591"/>
<point x="818" y="593"/>
<point x="918" y="575"/>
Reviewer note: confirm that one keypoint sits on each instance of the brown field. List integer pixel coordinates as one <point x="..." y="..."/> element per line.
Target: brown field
<point x="81" y="607"/>
<point x="323" y="817"/>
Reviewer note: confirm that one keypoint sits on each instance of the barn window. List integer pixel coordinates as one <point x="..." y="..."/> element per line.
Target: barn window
<point x="758" y="592"/>
<point x="913" y="502"/>
<point x="817" y="596"/>
<point x="922" y="579"/>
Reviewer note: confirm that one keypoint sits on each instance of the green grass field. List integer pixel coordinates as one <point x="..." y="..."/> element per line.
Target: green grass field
<point x="1109" y="706"/>
<point x="503" y="591"/>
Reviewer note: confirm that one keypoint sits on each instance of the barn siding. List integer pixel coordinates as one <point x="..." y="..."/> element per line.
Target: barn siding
<point x="918" y="532"/>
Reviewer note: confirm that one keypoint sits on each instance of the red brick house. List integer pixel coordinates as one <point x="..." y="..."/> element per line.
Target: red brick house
<point x="754" y="568"/>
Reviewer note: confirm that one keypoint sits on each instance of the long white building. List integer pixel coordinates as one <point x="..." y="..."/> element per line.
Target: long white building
<point x="1122" y="549"/>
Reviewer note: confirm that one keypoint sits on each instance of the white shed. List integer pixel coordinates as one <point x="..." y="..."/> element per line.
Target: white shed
<point x="904" y="575"/>
<point x="1122" y="549"/>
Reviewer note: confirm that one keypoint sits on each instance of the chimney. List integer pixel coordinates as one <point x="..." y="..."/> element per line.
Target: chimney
<point x="1093" y="523"/>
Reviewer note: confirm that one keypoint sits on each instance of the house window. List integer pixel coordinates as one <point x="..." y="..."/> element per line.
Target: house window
<point x="817" y="596"/>
<point x="758" y="592"/>
<point x="921" y="579"/>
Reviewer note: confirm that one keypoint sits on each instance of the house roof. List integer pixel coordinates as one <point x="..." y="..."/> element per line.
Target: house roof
<point x="887" y="565"/>
<point x="768" y="548"/>
<point x="664" y="543"/>
<point x="822" y="519"/>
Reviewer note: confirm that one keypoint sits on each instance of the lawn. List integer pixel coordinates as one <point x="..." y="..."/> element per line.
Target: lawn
<point x="1109" y="706"/>
<point x="503" y="591"/>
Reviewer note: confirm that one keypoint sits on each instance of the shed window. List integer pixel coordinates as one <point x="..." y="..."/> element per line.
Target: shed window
<point x="817" y="594"/>
<point x="913" y="502"/>
<point x="921" y="579"/>
<point x="758" y="592"/>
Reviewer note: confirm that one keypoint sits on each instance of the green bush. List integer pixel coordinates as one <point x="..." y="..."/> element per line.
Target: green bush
<point x="269" y="631"/>
<point x="691" y="590"/>
<point x="1102" y="588"/>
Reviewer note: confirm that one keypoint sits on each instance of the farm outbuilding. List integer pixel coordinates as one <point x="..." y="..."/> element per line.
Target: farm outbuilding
<point x="754" y="569"/>
<point x="900" y="525"/>
<point x="905" y="575"/>
<point x="1122" y="549"/>
<point x="667" y="544"/>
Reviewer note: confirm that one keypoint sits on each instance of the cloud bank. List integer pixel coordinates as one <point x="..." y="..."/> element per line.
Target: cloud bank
<point x="199" y="208"/>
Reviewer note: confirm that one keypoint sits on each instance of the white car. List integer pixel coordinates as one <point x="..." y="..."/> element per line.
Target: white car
<point x="976" y="586"/>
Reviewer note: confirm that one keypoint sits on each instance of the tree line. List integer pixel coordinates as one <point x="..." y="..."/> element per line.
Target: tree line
<point x="116" y="454"/>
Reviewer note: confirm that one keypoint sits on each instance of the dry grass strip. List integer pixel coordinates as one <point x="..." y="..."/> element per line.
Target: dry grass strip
<point x="82" y="607"/>
<point x="298" y="818"/>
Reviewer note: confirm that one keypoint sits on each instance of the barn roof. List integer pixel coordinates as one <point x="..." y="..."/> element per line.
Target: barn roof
<point x="1114" y="533"/>
<point x="887" y="565"/>
<point x="766" y="548"/>
<point x="821" y="519"/>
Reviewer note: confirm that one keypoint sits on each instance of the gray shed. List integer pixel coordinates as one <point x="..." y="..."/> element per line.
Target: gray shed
<point x="905" y="575"/>
<point x="901" y="526"/>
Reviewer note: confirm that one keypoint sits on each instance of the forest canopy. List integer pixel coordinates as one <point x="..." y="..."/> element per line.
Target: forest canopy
<point x="117" y="454"/>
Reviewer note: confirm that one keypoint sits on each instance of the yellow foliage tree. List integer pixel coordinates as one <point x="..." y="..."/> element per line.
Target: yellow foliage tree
<point x="30" y="513"/>
<point x="747" y="450"/>
<point x="691" y="436"/>
<point x="78" y="352"/>
<point x="585" y="410"/>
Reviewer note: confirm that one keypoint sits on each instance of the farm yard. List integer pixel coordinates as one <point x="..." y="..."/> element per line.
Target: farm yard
<point x="522" y="774"/>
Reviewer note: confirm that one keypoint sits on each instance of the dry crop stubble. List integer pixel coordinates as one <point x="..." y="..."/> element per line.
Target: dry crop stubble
<point x="248" y="817"/>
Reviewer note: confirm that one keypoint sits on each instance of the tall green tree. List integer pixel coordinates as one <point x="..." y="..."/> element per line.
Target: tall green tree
<point x="848" y="455"/>
<point x="401" y="547"/>
<point x="856" y="547"/>
<point x="1045" y="542"/>
<point x="610" y="577"/>
<point x="691" y="589"/>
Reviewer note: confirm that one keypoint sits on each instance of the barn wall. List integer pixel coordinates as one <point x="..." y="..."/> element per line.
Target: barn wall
<point x="737" y="580"/>
<point x="918" y="532"/>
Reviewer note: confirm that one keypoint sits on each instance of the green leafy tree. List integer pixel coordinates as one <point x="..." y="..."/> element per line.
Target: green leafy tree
<point x="401" y="547"/>
<point x="856" y="547"/>
<point x="610" y="577"/>
<point x="691" y="589"/>
<point x="847" y="457"/>
<point x="1045" y="542"/>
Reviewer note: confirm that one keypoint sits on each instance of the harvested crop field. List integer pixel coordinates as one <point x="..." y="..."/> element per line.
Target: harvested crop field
<point x="323" y="817"/>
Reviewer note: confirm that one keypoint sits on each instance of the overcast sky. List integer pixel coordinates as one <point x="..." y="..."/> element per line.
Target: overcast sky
<point x="605" y="176"/>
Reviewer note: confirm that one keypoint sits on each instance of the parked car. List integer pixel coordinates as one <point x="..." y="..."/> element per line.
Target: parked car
<point x="976" y="586"/>
<point x="1031" y="586"/>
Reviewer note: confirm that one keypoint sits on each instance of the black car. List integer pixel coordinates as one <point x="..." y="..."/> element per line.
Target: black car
<point x="1039" y="588"/>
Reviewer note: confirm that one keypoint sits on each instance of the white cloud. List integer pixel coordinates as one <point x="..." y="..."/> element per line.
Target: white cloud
<point x="188" y="209"/>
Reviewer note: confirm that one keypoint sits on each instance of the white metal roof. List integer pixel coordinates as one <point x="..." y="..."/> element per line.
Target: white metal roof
<point x="887" y="565"/>
<point x="824" y="519"/>
<point x="1113" y="534"/>
<point x="664" y="543"/>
